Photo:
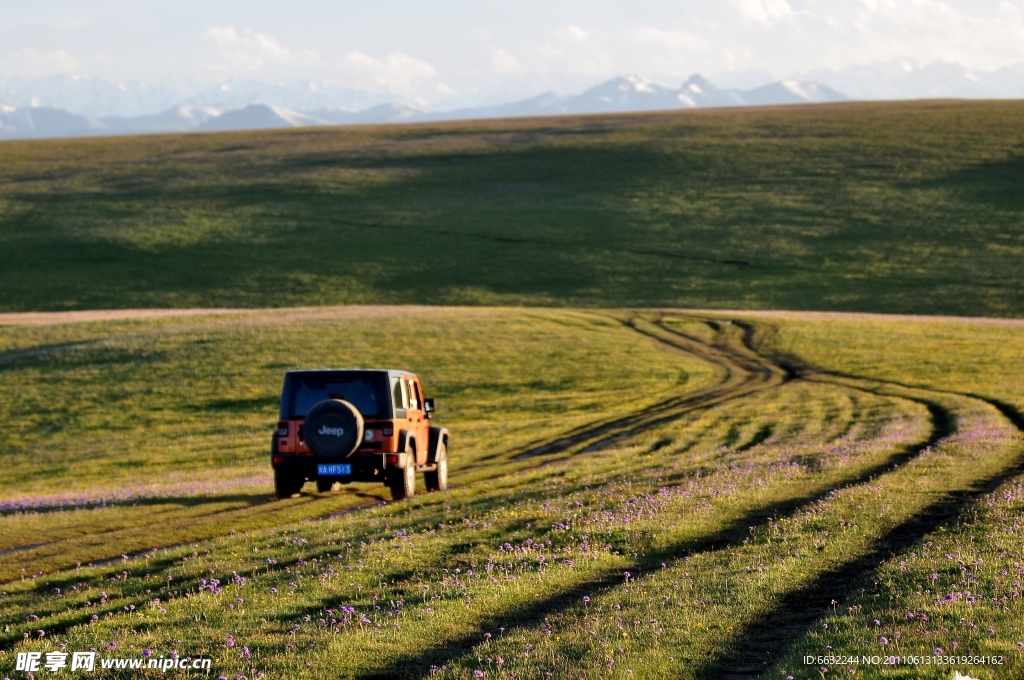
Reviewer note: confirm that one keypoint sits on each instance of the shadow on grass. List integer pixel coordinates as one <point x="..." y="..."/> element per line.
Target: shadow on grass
<point x="198" y="500"/>
<point x="237" y="405"/>
<point x="996" y="183"/>
<point x="99" y="352"/>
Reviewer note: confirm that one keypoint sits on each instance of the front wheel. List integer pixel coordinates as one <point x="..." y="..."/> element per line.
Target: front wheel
<point x="438" y="479"/>
<point x="287" y="484"/>
<point x="403" y="483"/>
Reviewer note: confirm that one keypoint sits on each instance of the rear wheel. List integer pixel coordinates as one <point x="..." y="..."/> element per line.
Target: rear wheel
<point x="324" y="485"/>
<point x="287" y="483"/>
<point x="403" y="482"/>
<point x="438" y="479"/>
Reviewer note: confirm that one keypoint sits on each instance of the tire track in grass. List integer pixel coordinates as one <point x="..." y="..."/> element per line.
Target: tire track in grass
<point x="728" y="535"/>
<point x="107" y="545"/>
<point x="770" y="635"/>
<point x="943" y="424"/>
<point x="741" y="375"/>
<point x="731" y="534"/>
<point x="767" y="637"/>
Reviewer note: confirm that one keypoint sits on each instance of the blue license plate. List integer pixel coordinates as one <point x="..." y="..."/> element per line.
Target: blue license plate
<point x="334" y="470"/>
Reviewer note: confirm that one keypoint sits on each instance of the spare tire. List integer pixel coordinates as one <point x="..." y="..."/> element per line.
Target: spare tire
<point x="333" y="429"/>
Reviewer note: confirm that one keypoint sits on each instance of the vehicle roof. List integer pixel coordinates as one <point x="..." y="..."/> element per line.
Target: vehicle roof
<point x="390" y="371"/>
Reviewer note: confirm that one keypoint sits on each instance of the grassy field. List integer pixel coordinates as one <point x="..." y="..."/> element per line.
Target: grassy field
<point x="635" y="494"/>
<point x="911" y="207"/>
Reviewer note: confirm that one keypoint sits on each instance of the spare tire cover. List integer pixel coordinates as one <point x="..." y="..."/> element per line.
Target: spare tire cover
<point x="333" y="429"/>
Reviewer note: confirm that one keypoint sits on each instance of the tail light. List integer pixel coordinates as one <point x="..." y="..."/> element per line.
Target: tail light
<point x="282" y="428"/>
<point x="392" y="459"/>
<point x="277" y="460"/>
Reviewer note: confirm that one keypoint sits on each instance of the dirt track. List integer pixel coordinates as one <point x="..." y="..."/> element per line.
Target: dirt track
<point x="54" y="318"/>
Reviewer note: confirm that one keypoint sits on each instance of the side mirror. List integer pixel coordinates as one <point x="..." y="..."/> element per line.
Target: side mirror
<point x="428" y="405"/>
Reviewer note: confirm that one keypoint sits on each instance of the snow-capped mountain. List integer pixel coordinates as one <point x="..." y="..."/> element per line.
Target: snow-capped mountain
<point x="627" y="93"/>
<point x="699" y="91"/>
<point x="789" y="92"/>
<point x="260" y="116"/>
<point x="632" y="93"/>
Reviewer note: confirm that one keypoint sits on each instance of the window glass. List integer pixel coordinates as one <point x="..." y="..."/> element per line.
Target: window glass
<point x="398" y="393"/>
<point x="360" y="392"/>
<point x="410" y="391"/>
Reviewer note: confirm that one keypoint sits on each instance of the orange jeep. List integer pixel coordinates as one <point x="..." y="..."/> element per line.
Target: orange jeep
<point x="357" y="425"/>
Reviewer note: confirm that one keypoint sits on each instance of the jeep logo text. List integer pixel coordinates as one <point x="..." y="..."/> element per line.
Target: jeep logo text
<point x="336" y="431"/>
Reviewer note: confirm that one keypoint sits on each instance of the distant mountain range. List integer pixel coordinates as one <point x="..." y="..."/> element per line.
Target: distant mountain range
<point x="631" y="93"/>
<point x="62" y="106"/>
<point x="627" y="93"/>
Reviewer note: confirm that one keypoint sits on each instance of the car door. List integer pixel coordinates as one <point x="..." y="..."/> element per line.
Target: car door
<point x="417" y="418"/>
<point x="423" y="425"/>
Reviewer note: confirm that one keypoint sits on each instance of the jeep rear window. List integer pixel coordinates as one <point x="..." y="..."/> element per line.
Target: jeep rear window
<point x="361" y="392"/>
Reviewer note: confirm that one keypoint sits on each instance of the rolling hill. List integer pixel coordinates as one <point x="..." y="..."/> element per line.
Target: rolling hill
<point x="891" y="207"/>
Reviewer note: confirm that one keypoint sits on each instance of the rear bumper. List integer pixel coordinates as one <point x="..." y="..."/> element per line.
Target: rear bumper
<point x="366" y="467"/>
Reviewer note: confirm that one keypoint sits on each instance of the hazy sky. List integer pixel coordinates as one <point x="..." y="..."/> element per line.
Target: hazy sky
<point x="450" y="49"/>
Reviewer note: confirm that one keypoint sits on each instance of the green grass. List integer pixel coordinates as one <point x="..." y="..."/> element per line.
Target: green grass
<point x="941" y="354"/>
<point x="749" y="509"/>
<point x="137" y="412"/>
<point x="635" y="493"/>
<point x="911" y="207"/>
